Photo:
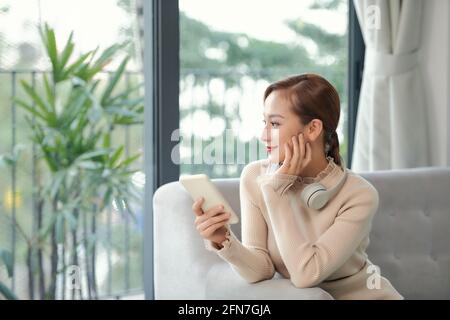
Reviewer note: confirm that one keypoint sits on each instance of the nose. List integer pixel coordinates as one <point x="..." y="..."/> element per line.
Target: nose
<point x="265" y="135"/>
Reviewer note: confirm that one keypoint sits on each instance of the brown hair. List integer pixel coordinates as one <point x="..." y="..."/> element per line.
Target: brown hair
<point x="313" y="97"/>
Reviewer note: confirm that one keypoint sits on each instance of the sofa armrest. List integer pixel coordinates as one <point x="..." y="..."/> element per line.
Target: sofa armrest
<point x="180" y="258"/>
<point x="223" y="283"/>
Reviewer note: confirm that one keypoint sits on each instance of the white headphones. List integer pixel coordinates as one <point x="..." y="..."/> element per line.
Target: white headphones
<point x="315" y="195"/>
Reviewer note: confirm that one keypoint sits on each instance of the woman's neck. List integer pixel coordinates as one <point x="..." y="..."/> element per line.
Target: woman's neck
<point x="318" y="163"/>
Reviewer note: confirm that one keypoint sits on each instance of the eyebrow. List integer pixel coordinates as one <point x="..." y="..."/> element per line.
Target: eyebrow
<point x="274" y="115"/>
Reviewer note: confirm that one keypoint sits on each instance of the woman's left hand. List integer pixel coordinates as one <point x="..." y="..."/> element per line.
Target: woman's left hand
<point x="295" y="161"/>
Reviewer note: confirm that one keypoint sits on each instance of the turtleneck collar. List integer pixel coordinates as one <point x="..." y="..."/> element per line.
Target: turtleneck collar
<point x="330" y="170"/>
<point x="327" y="176"/>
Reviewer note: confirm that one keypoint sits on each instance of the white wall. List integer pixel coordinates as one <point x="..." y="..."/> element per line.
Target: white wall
<point x="435" y="54"/>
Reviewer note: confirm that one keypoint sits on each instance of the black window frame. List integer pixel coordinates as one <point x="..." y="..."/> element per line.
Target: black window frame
<point x="356" y="50"/>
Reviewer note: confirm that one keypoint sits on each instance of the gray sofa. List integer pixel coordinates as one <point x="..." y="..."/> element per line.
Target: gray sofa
<point x="410" y="241"/>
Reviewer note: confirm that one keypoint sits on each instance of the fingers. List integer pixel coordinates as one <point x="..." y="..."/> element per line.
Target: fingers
<point x="209" y="214"/>
<point x="298" y="156"/>
<point x="287" y="157"/>
<point x="197" y="206"/>
<point x="224" y="217"/>
<point x="295" y="156"/>
<point x="301" y="147"/>
<point x="211" y="229"/>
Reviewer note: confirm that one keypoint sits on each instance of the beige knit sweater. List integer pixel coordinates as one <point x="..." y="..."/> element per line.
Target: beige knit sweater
<point x="324" y="248"/>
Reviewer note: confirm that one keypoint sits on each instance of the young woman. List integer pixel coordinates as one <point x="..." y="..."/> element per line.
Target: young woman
<point x="312" y="247"/>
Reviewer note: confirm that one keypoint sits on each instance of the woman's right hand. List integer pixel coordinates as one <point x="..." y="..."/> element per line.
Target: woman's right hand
<point x="211" y="224"/>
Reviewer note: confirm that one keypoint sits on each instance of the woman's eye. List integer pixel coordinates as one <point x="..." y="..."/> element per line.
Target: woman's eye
<point x="274" y="124"/>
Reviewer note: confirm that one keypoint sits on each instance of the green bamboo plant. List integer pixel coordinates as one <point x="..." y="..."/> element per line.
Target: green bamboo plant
<point x="82" y="171"/>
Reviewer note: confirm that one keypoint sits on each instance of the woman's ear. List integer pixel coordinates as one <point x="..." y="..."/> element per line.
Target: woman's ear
<point x="314" y="130"/>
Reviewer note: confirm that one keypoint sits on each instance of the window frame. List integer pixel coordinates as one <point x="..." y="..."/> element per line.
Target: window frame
<point x="356" y="50"/>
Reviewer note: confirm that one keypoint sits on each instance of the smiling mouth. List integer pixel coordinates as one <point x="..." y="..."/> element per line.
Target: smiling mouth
<point x="269" y="149"/>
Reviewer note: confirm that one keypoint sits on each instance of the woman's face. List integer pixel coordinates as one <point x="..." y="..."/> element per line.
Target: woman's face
<point x="280" y="124"/>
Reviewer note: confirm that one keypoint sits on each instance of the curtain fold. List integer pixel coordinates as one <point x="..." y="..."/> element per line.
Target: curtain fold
<point x="391" y="129"/>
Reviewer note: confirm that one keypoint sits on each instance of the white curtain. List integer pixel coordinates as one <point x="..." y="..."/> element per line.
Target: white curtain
<point x="391" y="128"/>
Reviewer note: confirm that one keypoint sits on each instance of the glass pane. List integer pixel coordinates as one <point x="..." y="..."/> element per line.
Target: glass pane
<point x="104" y="229"/>
<point x="230" y="51"/>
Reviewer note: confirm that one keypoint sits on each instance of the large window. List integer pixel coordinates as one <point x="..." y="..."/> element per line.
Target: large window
<point x="229" y="52"/>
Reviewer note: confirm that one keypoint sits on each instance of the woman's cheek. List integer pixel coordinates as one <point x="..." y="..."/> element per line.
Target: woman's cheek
<point x="282" y="155"/>
<point x="277" y="155"/>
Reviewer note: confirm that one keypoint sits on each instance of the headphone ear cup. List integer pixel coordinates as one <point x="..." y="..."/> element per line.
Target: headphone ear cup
<point x="314" y="196"/>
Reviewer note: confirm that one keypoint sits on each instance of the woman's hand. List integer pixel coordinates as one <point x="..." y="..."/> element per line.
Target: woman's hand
<point x="211" y="224"/>
<point x="295" y="161"/>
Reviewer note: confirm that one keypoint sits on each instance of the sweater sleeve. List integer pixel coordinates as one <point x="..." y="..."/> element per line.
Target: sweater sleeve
<point x="249" y="258"/>
<point x="309" y="263"/>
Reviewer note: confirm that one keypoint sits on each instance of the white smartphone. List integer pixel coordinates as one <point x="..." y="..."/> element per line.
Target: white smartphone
<point x="199" y="185"/>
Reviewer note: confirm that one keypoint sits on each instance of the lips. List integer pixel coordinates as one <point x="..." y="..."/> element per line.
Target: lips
<point x="270" y="149"/>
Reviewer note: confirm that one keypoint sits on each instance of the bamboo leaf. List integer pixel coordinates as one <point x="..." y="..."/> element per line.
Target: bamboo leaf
<point x="7" y="293"/>
<point x="49" y="92"/>
<point x="107" y="140"/>
<point x="56" y="183"/>
<point x="93" y="154"/>
<point x="67" y="51"/>
<point x="44" y="107"/>
<point x="7" y="259"/>
<point x="52" y="50"/>
<point x="73" y="223"/>
<point x="108" y="53"/>
<point x="115" y="156"/>
<point x="126" y="93"/>
<point x="48" y="227"/>
<point x="30" y="109"/>
<point x="73" y="109"/>
<point x="130" y="103"/>
<point x="120" y="111"/>
<point x="103" y="60"/>
<point x="129" y="160"/>
<point x="90" y="165"/>
<point x="74" y="68"/>
<point x="113" y="81"/>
